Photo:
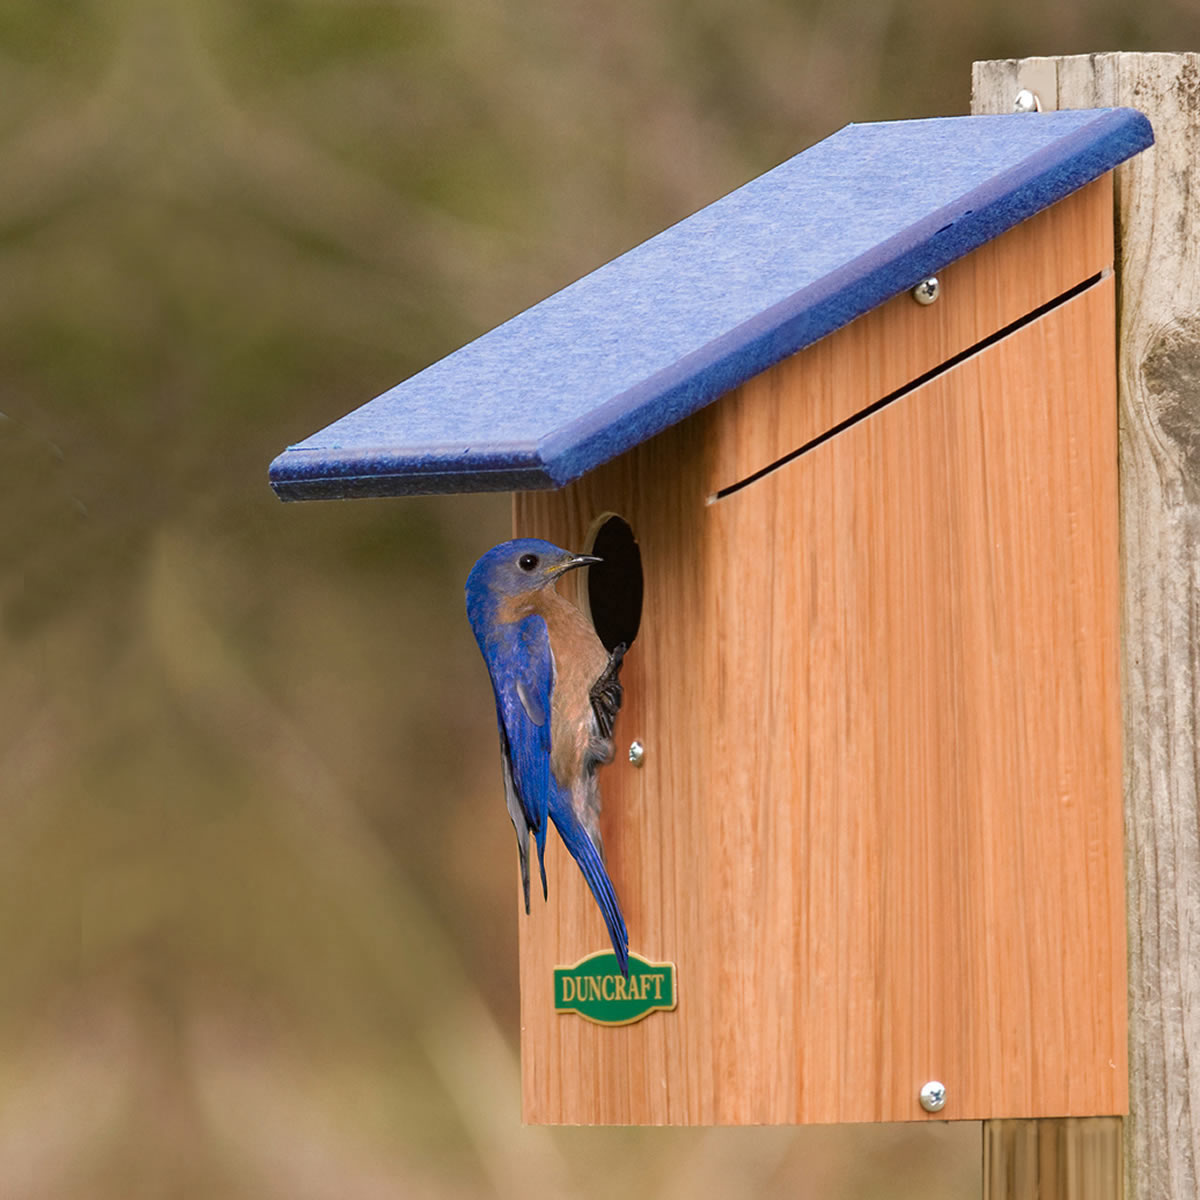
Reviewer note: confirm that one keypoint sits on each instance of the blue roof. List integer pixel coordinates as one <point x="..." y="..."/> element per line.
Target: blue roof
<point x="666" y="328"/>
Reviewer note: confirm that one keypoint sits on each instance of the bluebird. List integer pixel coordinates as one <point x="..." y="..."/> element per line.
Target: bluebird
<point x="557" y="695"/>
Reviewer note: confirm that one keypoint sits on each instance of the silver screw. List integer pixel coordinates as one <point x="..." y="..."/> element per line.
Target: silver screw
<point x="1027" y="101"/>
<point x="637" y="753"/>
<point x="927" y="291"/>
<point x="933" y="1096"/>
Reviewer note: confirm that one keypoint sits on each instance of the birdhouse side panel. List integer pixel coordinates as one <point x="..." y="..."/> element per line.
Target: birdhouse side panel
<point x="928" y="680"/>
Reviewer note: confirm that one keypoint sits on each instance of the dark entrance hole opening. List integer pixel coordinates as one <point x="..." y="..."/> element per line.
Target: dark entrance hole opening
<point x="614" y="586"/>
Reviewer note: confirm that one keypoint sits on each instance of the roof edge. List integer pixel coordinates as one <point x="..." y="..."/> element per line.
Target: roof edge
<point x="318" y="474"/>
<point x="892" y="267"/>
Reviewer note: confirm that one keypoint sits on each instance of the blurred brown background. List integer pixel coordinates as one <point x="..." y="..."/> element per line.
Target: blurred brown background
<point x="257" y="885"/>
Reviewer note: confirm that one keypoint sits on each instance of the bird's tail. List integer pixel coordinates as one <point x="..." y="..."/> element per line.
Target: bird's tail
<point x="584" y="852"/>
<point x="540" y="839"/>
<point x="516" y="814"/>
<point x="523" y="854"/>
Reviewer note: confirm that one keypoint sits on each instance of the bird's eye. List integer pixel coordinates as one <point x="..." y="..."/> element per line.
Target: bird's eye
<point x="527" y="562"/>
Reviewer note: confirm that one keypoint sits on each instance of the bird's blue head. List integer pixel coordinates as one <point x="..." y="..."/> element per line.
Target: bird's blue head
<point x="514" y="569"/>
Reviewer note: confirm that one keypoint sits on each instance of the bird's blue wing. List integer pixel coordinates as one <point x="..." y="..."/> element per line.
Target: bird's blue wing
<point x="521" y="665"/>
<point x="516" y="811"/>
<point x="523" y="676"/>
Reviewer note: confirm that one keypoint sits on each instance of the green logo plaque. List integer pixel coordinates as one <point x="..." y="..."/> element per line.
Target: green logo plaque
<point x="595" y="988"/>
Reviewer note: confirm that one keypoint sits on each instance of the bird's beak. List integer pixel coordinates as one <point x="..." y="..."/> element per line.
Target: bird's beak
<point x="580" y="560"/>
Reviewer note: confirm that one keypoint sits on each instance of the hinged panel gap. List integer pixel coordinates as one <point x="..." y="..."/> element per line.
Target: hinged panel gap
<point x="919" y="381"/>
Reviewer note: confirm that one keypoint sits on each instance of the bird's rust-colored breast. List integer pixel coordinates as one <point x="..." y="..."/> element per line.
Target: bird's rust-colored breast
<point x="579" y="660"/>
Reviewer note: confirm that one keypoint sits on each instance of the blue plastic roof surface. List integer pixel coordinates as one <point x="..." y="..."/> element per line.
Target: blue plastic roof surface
<point x="666" y="328"/>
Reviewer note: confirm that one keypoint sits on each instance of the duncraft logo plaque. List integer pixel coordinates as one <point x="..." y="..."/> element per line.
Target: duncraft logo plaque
<point x="595" y="989"/>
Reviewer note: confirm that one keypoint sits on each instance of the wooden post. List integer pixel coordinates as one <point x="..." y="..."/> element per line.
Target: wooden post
<point x="1157" y="200"/>
<point x="1052" y="1159"/>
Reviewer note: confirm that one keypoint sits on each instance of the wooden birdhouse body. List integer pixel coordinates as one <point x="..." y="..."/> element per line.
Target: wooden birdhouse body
<point x="877" y="825"/>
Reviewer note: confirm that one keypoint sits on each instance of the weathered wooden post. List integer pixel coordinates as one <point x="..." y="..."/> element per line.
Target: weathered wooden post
<point x="1157" y="197"/>
<point x="873" y="843"/>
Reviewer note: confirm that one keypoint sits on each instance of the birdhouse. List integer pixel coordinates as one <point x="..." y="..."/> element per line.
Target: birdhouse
<point x="846" y="441"/>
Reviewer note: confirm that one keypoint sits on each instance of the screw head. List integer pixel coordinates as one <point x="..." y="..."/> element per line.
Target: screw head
<point x="637" y="753"/>
<point x="933" y="1096"/>
<point x="927" y="291"/>
<point x="1027" y="101"/>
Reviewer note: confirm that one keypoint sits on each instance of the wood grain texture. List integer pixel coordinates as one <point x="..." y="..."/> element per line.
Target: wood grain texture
<point x="878" y="825"/>
<point x="1052" y="1159"/>
<point x="884" y="349"/>
<point x="1158" y="271"/>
